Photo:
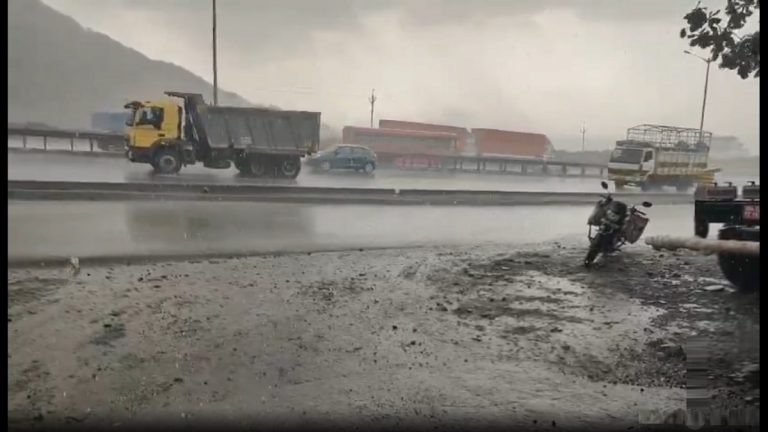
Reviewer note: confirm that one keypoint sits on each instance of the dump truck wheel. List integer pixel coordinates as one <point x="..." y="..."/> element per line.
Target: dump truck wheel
<point x="742" y="271"/>
<point x="290" y="167"/>
<point x="243" y="166"/>
<point x="166" y="161"/>
<point x="258" y="166"/>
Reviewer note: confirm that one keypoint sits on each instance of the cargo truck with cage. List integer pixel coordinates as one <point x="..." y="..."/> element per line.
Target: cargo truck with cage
<point x="654" y="156"/>
<point x="171" y="133"/>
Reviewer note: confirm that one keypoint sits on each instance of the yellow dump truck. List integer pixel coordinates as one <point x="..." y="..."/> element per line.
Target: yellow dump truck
<point x="654" y="156"/>
<point x="183" y="130"/>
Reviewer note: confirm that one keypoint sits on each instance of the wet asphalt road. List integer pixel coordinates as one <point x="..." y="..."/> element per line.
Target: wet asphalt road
<point x="62" y="167"/>
<point x="63" y="229"/>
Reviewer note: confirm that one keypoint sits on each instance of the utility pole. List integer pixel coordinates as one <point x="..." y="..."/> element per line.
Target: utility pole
<point x="215" y="69"/>
<point x="583" y="131"/>
<point x="372" y="101"/>
<point x="704" y="102"/>
<point x="708" y="61"/>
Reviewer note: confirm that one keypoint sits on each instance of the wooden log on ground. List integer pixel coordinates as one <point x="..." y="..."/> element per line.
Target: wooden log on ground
<point x="704" y="245"/>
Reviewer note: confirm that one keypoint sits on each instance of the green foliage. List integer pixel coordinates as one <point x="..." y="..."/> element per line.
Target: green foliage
<point x="718" y="33"/>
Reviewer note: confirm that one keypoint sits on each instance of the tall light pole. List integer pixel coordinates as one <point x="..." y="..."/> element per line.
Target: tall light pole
<point x="583" y="131"/>
<point x="708" y="61"/>
<point x="372" y="101"/>
<point x="215" y="69"/>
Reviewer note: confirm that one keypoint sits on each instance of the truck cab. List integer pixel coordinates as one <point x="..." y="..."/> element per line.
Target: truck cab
<point x="150" y="121"/>
<point x="630" y="164"/>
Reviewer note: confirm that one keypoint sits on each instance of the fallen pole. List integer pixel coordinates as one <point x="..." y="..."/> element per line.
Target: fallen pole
<point x="704" y="245"/>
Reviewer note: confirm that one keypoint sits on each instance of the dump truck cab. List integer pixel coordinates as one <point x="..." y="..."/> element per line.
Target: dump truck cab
<point x="151" y="121"/>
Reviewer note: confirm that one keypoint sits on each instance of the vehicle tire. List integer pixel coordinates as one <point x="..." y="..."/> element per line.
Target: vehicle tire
<point x="682" y="187"/>
<point x="258" y="165"/>
<point x="290" y="167"/>
<point x="166" y="161"/>
<point x="646" y="187"/>
<point x="742" y="271"/>
<point x="594" y="250"/>
<point x="325" y="166"/>
<point x="368" y="168"/>
<point x="243" y="166"/>
<point x="591" y="255"/>
<point x="700" y="229"/>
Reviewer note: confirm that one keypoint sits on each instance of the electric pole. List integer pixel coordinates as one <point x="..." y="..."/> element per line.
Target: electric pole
<point x="372" y="100"/>
<point x="583" y="131"/>
<point x="215" y="71"/>
<point x="708" y="61"/>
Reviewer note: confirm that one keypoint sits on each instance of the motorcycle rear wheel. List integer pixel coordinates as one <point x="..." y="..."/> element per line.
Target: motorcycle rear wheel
<point x="592" y="253"/>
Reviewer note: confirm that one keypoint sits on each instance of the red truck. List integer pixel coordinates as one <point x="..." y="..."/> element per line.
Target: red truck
<point x="462" y="134"/>
<point x="488" y="142"/>
<point x="403" y="147"/>
<point x="494" y="142"/>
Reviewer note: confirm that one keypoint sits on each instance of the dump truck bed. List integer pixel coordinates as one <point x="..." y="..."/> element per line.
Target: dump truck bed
<point x="262" y="130"/>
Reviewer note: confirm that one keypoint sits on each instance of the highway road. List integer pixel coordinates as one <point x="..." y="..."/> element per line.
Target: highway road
<point x="73" y="167"/>
<point x="62" y="167"/>
<point x="88" y="229"/>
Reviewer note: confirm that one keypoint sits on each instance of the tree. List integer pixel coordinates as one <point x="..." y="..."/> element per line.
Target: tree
<point x="706" y="30"/>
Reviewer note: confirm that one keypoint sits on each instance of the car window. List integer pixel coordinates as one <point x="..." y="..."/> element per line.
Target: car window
<point x="343" y="151"/>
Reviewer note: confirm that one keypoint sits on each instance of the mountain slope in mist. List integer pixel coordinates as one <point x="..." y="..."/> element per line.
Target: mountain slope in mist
<point x="59" y="73"/>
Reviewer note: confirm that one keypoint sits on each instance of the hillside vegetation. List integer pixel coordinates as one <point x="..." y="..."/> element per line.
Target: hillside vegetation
<point x="59" y="73"/>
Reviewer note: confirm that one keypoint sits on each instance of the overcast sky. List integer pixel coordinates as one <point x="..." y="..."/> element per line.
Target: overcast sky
<point x="542" y="66"/>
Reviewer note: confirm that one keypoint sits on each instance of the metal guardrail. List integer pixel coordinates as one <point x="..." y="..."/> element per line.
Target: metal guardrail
<point x="62" y="133"/>
<point x="92" y="137"/>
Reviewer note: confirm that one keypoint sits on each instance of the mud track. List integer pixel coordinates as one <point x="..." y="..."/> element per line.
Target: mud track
<point x="434" y="337"/>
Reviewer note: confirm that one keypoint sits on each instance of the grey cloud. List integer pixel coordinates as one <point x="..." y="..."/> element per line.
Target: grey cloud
<point x="272" y="28"/>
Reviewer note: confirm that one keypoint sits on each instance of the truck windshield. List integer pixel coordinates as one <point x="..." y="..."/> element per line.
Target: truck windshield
<point x="627" y="155"/>
<point x="131" y="117"/>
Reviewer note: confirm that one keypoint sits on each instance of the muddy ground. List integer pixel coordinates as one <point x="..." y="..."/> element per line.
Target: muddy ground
<point x="436" y="337"/>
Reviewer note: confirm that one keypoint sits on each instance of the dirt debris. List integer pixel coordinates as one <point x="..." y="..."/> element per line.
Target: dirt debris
<point x="449" y="333"/>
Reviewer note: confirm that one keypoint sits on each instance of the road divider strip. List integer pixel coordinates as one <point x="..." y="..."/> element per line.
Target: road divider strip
<point x="103" y="191"/>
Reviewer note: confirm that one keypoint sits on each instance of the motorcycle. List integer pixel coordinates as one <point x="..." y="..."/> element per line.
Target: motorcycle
<point x="617" y="224"/>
